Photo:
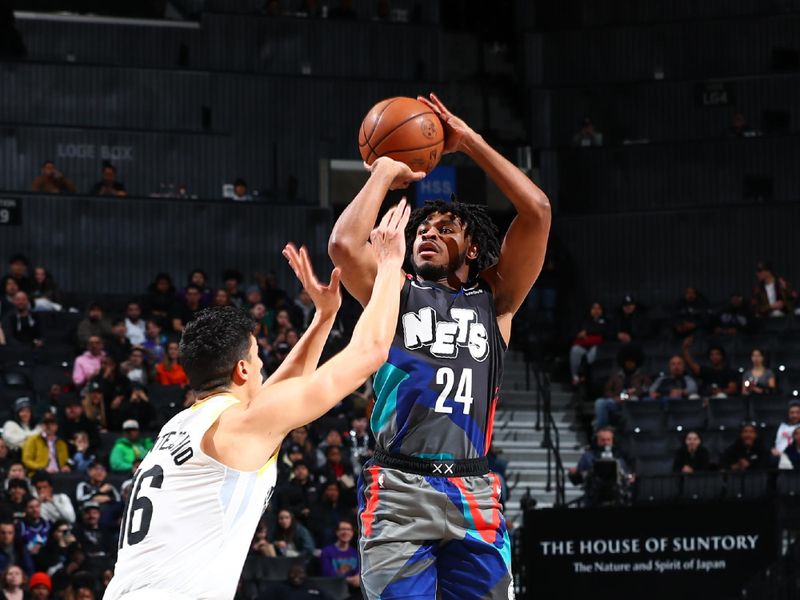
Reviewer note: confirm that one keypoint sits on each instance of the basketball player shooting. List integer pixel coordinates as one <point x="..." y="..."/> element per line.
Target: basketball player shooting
<point x="198" y="495"/>
<point x="428" y="506"/>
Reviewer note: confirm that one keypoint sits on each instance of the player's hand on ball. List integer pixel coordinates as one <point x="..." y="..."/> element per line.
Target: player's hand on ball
<point x="456" y="131"/>
<point x="401" y="174"/>
<point x="388" y="238"/>
<point x="327" y="298"/>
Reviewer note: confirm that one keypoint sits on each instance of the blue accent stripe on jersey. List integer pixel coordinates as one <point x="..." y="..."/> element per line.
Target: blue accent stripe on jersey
<point x="437" y="456"/>
<point x="387" y="381"/>
<point x="228" y="487"/>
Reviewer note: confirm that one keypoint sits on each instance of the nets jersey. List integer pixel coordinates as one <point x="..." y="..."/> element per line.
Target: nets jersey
<point x="190" y="519"/>
<point x="436" y="395"/>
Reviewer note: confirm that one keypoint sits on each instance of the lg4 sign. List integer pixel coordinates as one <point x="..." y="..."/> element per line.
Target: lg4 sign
<point x="446" y="377"/>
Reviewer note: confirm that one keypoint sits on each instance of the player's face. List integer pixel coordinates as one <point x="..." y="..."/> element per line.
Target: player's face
<point x="441" y="246"/>
<point x="254" y="365"/>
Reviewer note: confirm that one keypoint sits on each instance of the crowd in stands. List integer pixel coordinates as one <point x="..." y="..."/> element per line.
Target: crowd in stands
<point x="656" y="403"/>
<point x="84" y="393"/>
<point x="52" y="181"/>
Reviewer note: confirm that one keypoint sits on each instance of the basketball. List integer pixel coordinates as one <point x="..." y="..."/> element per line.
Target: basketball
<point x="404" y="129"/>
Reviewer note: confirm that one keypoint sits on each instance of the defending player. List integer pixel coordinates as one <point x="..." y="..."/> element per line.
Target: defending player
<point x="198" y="495"/>
<point x="429" y="509"/>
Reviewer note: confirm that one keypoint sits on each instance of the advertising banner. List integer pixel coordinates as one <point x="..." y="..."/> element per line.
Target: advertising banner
<point x="648" y="551"/>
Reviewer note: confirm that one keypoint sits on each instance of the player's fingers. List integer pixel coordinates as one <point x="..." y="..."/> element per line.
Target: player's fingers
<point x="397" y="214"/>
<point x="290" y="253"/>
<point x="386" y="218"/>
<point x="307" y="266"/>
<point x="404" y="218"/>
<point x="289" y="248"/>
<point x="428" y="103"/>
<point x="439" y="104"/>
<point x="376" y="236"/>
<point x="336" y="276"/>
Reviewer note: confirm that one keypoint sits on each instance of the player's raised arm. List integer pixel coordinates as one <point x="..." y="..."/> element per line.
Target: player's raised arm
<point x="348" y="244"/>
<point x="523" y="249"/>
<point x="298" y="401"/>
<point x="304" y="357"/>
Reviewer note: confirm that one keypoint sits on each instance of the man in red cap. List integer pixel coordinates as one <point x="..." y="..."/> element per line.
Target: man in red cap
<point x="40" y="586"/>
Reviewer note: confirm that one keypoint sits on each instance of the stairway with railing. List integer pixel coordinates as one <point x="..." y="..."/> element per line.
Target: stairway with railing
<point x="532" y="431"/>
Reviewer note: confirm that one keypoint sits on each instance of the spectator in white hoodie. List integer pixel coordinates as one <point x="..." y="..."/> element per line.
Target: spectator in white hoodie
<point x="22" y="426"/>
<point x="54" y="506"/>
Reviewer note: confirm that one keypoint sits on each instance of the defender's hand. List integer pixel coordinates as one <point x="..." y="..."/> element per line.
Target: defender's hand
<point x="456" y="131"/>
<point x="401" y="174"/>
<point x="388" y="239"/>
<point x="327" y="298"/>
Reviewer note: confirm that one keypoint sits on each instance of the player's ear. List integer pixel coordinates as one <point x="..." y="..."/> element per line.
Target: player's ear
<point x="241" y="373"/>
<point x="472" y="251"/>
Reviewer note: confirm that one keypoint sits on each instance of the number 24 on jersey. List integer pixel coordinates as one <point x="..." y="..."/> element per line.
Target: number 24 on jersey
<point x="446" y="377"/>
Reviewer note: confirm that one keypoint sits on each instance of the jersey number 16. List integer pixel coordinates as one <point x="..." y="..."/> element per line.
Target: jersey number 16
<point x="140" y="505"/>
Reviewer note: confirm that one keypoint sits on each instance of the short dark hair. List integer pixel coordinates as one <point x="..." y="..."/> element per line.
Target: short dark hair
<point x="232" y="274"/>
<point x="478" y="226"/>
<point x="764" y="265"/>
<point x="18" y="258"/>
<point x="40" y="476"/>
<point x="212" y="343"/>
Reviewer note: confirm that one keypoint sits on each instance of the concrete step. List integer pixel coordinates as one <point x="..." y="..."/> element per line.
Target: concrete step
<point x="532" y="447"/>
<point x="567" y="439"/>
<point x="528" y="415"/>
<point x="523" y="479"/>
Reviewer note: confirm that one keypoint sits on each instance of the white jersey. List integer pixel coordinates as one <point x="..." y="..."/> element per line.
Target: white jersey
<point x="190" y="519"/>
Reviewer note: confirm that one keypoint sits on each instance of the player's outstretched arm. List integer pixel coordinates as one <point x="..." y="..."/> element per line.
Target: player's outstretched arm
<point x="348" y="243"/>
<point x="304" y="357"/>
<point x="298" y="401"/>
<point x="523" y="250"/>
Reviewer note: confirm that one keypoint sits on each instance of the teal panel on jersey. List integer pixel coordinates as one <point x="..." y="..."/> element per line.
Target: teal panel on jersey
<point x="387" y="380"/>
<point x="437" y="456"/>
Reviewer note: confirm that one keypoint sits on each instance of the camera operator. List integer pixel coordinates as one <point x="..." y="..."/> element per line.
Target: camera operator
<point x="360" y="441"/>
<point x="604" y="471"/>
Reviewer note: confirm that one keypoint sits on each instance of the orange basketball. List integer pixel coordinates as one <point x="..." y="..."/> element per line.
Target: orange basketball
<point x="404" y="129"/>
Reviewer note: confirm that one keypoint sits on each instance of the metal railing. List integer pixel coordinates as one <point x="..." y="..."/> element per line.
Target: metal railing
<point x="556" y="474"/>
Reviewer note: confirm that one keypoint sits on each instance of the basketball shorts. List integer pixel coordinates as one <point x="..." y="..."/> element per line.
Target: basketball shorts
<point x="428" y="536"/>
